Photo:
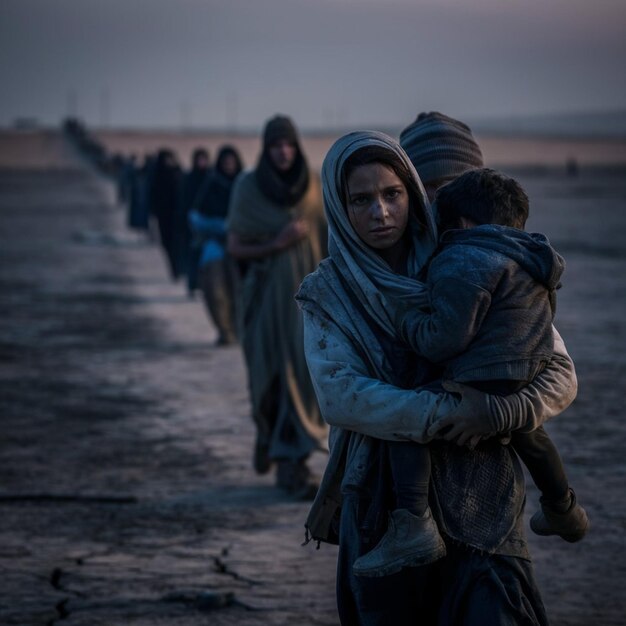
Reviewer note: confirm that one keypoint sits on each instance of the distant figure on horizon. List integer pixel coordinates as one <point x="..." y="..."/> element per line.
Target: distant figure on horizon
<point x="276" y="225"/>
<point x="572" y="168"/>
<point x="210" y="261"/>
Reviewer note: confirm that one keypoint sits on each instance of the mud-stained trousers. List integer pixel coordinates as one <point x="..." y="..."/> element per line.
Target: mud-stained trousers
<point x="466" y="588"/>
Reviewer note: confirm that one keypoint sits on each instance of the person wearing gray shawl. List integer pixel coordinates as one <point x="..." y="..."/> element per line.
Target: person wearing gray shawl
<point x="370" y="390"/>
<point x="276" y="228"/>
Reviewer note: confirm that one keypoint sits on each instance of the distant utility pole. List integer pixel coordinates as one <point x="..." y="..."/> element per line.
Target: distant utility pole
<point x="104" y="108"/>
<point x="334" y="118"/>
<point x="185" y="114"/>
<point x="232" y="111"/>
<point x="71" y="103"/>
<point x="342" y="117"/>
<point x="327" y="118"/>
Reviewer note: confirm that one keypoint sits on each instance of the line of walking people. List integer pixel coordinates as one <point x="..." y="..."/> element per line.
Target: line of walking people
<point x="246" y="240"/>
<point x="188" y="210"/>
<point x="374" y="389"/>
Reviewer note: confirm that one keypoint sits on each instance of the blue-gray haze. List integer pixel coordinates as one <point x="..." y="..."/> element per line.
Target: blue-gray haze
<point x="326" y="62"/>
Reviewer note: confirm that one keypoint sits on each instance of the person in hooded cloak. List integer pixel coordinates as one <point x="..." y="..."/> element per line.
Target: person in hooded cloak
<point x="276" y="226"/>
<point x="372" y="387"/>
<point x="191" y="183"/>
<point x="207" y="220"/>
<point x="165" y="196"/>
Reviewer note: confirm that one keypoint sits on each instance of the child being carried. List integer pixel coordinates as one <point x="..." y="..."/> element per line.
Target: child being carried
<point x="492" y="299"/>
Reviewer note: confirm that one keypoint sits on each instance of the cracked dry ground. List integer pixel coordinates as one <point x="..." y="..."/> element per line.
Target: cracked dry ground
<point x="113" y="401"/>
<point x="127" y="494"/>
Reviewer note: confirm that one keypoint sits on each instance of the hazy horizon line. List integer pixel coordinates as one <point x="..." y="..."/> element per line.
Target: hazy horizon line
<point x="589" y="124"/>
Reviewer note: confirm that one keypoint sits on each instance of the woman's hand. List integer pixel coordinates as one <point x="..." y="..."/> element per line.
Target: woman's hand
<point x="294" y="231"/>
<point x="469" y="422"/>
<point x="291" y="233"/>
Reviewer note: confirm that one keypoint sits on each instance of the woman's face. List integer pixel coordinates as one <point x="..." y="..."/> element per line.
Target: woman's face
<point x="228" y="164"/>
<point x="201" y="162"/>
<point x="283" y="154"/>
<point x="377" y="205"/>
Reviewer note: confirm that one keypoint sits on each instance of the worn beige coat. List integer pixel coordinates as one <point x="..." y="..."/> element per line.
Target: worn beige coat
<point x="284" y="405"/>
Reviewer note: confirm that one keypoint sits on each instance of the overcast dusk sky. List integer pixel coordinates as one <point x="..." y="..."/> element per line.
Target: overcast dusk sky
<point x="324" y="62"/>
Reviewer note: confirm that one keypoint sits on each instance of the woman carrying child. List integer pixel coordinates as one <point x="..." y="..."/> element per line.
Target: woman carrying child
<point x="367" y="380"/>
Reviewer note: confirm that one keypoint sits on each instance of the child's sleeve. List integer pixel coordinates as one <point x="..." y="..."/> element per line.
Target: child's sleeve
<point x="457" y="310"/>
<point x="550" y="393"/>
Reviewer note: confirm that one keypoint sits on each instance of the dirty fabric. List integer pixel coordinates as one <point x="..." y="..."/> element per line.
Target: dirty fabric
<point x="284" y="405"/>
<point x="366" y="396"/>
<point x="466" y="588"/>
<point x="469" y="586"/>
<point x="217" y="282"/>
<point x="491" y="291"/>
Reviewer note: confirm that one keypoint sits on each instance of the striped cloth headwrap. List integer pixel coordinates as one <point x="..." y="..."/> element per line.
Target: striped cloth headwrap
<point x="440" y="147"/>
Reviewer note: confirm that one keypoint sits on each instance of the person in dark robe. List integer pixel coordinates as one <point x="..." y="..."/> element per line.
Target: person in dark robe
<point x="192" y="182"/>
<point x="216" y="272"/>
<point x="165" y="196"/>
<point x="276" y="224"/>
<point x="139" y="210"/>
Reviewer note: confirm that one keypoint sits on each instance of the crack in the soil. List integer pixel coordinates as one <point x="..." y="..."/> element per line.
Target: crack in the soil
<point x="222" y="568"/>
<point x="55" y="578"/>
<point x="62" y="611"/>
<point x="61" y="606"/>
<point x="66" y="497"/>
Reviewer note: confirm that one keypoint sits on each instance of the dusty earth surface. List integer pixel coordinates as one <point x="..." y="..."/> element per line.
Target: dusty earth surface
<point x="126" y="489"/>
<point x="127" y="435"/>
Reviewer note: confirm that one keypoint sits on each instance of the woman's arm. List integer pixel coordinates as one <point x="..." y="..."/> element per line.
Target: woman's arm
<point x="550" y="393"/>
<point x="293" y="232"/>
<point x="350" y="398"/>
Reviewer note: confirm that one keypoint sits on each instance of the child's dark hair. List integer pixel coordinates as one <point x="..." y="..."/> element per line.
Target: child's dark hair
<point x="483" y="196"/>
<point x="387" y="157"/>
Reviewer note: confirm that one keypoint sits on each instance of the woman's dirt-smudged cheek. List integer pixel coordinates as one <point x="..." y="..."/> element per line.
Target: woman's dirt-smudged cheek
<point x="377" y="205"/>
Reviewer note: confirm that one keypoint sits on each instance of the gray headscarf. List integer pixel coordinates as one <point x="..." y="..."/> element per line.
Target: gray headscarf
<point x="375" y="284"/>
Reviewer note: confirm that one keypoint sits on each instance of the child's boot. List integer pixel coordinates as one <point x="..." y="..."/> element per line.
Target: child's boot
<point x="570" y="524"/>
<point x="410" y="540"/>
